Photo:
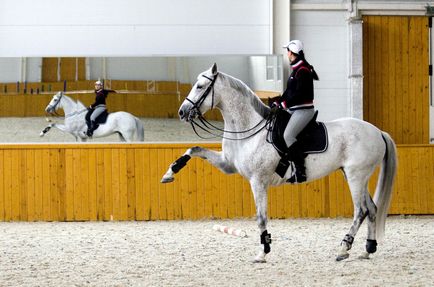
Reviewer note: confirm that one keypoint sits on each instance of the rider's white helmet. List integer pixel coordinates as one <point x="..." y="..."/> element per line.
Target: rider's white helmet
<point x="294" y="46"/>
<point x="98" y="83"/>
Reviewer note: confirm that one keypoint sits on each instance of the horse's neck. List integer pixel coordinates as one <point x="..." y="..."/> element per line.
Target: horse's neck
<point x="70" y="106"/>
<point x="238" y="112"/>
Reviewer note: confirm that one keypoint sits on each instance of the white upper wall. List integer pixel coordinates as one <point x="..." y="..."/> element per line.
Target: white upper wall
<point x="98" y="28"/>
<point x="10" y="70"/>
<point x="326" y="46"/>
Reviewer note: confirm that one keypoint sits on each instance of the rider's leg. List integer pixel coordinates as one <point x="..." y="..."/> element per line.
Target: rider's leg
<point x="96" y="113"/>
<point x="87" y="117"/>
<point x="299" y="120"/>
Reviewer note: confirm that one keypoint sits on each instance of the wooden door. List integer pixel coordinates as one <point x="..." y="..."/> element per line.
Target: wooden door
<point x="61" y="69"/>
<point x="396" y="76"/>
<point x="49" y="69"/>
<point x="72" y="69"/>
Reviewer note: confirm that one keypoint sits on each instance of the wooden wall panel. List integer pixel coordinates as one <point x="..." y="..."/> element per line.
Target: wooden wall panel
<point x="49" y="69"/>
<point x="396" y="80"/>
<point x="71" y="182"/>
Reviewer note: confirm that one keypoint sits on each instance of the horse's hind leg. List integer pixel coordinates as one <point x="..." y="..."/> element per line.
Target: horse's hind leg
<point x="359" y="193"/>
<point x="213" y="157"/>
<point x="371" y="241"/>
<point x="121" y="137"/>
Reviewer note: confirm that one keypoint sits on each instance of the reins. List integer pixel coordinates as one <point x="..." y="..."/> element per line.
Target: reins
<point x="209" y="128"/>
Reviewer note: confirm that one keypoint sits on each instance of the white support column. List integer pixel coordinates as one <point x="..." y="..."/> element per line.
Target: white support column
<point x="58" y="68"/>
<point x="87" y="65"/>
<point x="40" y="69"/>
<point x="281" y="32"/>
<point x="355" y="24"/>
<point x="23" y="68"/>
<point x="104" y="68"/>
<point x="76" y="69"/>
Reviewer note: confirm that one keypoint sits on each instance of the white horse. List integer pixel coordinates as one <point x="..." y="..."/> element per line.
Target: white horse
<point x="356" y="147"/>
<point x="124" y="124"/>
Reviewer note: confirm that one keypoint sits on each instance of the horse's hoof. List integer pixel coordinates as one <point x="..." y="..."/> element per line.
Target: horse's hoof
<point x="260" y="258"/>
<point x="342" y="256"/>
<point x="364" y="255"/>
<point x="167" y="179"/>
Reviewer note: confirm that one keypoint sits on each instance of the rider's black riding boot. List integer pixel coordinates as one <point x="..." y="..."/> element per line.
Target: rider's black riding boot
<point x="90" y="129"/>
<point x="296" y="155"/>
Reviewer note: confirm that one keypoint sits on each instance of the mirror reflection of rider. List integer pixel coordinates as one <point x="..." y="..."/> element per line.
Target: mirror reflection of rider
<point x="97" y="108"/>
<point x="298" y="101"/>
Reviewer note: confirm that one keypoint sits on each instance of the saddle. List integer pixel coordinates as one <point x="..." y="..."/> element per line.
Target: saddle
<point x="100" y="120"/>
<point x="312" y="139"/>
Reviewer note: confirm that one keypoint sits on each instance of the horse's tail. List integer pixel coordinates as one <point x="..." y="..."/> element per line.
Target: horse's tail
<point x="140" y="130"/>
<point x="383" y="191"/>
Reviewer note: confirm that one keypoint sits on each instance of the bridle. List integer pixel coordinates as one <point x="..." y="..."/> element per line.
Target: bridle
<point x="209" y="127"/>
<point x="54" y="107"/>
<point x="199" y="102"/>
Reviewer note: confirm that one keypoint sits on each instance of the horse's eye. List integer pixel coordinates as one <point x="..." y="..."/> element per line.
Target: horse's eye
<point x="199" y="87"/>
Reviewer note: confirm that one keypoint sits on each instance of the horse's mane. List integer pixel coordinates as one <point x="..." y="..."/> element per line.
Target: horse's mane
<point x="78" y="104"/>
<point x="237" y="84"/>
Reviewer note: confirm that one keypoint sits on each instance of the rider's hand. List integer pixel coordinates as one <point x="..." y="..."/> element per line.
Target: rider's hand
<point x="275" y="104"/>
<point x="274" y="107"/>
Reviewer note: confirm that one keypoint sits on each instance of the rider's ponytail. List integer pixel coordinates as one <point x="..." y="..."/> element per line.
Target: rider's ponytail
<point x="312" y="70"/>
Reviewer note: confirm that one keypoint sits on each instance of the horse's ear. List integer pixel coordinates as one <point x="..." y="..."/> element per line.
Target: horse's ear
<point x="214" y="69"/>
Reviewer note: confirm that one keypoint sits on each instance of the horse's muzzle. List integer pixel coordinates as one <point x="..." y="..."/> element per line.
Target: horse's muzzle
<point x="187" y="113"/>
<point x="49" y="109"/>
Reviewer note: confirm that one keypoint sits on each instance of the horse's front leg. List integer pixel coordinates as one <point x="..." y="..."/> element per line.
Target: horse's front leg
<point x="48" y="128"/>
<point x="213" y="157"/>
<point x="260" y="195"/>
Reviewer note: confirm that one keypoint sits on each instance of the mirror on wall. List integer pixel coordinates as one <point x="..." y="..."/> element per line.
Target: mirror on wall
<point x="150" y="88"/>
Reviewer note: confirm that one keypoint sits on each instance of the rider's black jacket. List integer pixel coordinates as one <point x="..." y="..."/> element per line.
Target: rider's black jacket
<point x="100" y="97"/>
<point x="299" y="89"/>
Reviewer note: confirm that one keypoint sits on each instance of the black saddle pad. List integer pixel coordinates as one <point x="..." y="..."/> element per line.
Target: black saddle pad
<point x="313" y="139"/>
<point x="100" y="120"/>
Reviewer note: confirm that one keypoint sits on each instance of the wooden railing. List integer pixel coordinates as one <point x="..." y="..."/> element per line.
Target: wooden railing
<point x="76" y="182"/>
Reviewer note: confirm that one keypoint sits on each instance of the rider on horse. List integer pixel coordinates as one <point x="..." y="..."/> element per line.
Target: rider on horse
<point x="97" y="108"/>
<point x="297" y="100"/>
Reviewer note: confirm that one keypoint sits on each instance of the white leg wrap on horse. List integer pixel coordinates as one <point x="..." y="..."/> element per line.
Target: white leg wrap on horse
<point x="260" y="258"/>
<point x="364" y="255"/>
<point x="168" y="176"/>
<point x="343" y="253"/>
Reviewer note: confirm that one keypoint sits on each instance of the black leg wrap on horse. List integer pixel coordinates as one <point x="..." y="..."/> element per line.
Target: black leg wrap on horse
<point x="180" y="163"/>
<point x="266" y="240"/>
<point x="348" y="240"/>
<point x="371" y="245"/>
<point x="46" y="129"/>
